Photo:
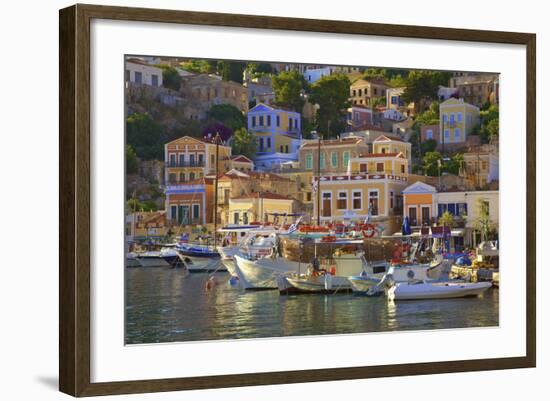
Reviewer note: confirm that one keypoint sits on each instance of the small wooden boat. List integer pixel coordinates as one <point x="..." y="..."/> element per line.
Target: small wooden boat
<point x="435" y="290"/>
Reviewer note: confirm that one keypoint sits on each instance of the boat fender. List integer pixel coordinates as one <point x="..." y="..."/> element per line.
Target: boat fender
<point x="333" y="270"/>
<point x="410" y="274"/>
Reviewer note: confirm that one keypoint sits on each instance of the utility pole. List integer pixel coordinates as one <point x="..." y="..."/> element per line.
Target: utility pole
<point x="318" y="180"/>
<point x="215" y="211"/>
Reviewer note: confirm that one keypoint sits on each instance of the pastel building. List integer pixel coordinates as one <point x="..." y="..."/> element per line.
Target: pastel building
<point x="457" y="119"/>
<point x="312" y="75"/>
<point x="187" y="163"/>
<point x="359" y="116"/>
<point x="480" y="168"/>
<point x="390" y="144"/>
<point x="259" y="207"/>
<point x="424" y="205"/>
<point x="371" y="187"/>
<point x="139" y="72"/>
<point x="278" y="133"/>
<point x="420" y="204"/>
<point x="394" y="101"/>
<point x="362" y="91"/>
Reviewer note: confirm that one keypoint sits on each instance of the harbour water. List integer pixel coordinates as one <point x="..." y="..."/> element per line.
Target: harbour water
<point x="165" y="305"/>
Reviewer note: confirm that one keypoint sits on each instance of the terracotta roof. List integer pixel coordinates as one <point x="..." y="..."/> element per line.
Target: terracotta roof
<point x="333" y="142"/>
<point x="390" y="137"/>
<point x="367" y="126"/>
<point x="263" y="195"/>
<point x="267" y="176"/>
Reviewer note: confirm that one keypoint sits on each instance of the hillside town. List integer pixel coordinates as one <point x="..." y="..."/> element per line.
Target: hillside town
<point x="245" y="142"/>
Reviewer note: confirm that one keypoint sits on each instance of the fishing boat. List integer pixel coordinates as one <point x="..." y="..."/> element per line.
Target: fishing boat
<point x="435" y="290"/>
<point x="325" y="275"/>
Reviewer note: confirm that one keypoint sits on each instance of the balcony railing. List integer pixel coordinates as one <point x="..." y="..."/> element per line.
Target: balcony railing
<point x="185" y="164"/>
<point x="181" y="182"/>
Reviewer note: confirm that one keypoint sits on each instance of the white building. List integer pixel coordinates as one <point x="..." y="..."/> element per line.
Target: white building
<point x="315" y="74"/>
<point x="139" y="72"/>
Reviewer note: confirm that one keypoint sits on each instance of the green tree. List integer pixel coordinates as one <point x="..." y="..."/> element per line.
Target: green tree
<point x="171" y="78"/>
<point x="446" y="220"/>
<point x="431" y="161"/>
<point x="453" y="165"/>
<point x="244" y="143"/>
<point x="331" y="94"/>
<point x="483" y="221"/>
<point x="422" y="86"/>
<point x="492" y="129"/>
<point x="132" y="162"/>
<point x="258" y="69"/>
<point x="489" y="125"/>
<point x="144" y="135"/>
<point x="232" y="71"/>
<point x="429" y="145"/>
<point x="288" y="87"/>
<point x="228" y="115"/>
<point x="199" y="66"/>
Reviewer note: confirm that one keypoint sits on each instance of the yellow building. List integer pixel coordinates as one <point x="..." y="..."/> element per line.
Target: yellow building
<point x="188" y="159"/>
<point x="259" y="207"/>
<point x="242" y="163"/>
<point x="372" y="186"/>
<point x="335" y="154"/>
<point x="392" y="144"/>
<point x="380" y="163"/>
<point x="363" y="92"/>
<point x="457" y="119"/>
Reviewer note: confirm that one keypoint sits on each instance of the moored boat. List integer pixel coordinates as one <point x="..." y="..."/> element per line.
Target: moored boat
<point x="262" y="273"/>
<point x="435" y="290"/>
<point x="374" y="278"/>
<point x="331" y="275"/>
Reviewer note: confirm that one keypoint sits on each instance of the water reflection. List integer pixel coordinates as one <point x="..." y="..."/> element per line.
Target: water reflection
<point x="164" y="305"/>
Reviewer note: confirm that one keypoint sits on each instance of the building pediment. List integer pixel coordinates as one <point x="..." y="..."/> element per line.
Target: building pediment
<point x="260" y="108"/>
<point x="419" y="187"/>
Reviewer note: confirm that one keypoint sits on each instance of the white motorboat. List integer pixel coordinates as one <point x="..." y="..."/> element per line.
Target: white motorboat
<point x="375" y="276"/>
<point x="151" y="259"/>
<point x="435" y="290"/>
<point x="257" y="244"/>
<point x="262" y="273"/>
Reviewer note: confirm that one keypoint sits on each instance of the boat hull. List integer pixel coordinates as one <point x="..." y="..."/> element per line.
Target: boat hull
<point x="365" y="283"/>
<point x="448" y="290"/>
<point x="152" y="261"/>
<point x="313" y="285"/>
<point x="263" y="273"/>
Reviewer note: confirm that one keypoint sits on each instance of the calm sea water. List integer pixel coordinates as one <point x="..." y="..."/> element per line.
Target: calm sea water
<point x="165" y="305"/>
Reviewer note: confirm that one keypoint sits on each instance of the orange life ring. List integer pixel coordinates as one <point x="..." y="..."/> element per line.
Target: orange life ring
<point x="369" y="231"/>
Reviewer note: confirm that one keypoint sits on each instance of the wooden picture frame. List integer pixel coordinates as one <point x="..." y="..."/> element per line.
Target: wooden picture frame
<point x="74" y="203"/>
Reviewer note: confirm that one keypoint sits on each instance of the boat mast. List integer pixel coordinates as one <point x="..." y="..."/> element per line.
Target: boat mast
<point x="215" y="211"/>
